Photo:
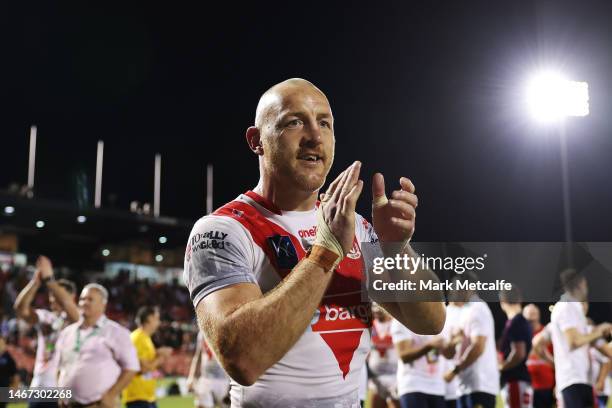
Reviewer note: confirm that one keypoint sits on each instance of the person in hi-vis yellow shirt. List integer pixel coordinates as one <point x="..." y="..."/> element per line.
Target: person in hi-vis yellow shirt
<point x="140" y="393"/>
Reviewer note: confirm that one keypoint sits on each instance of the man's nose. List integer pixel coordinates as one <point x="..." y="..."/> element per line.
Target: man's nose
<point x="313" y="132"/>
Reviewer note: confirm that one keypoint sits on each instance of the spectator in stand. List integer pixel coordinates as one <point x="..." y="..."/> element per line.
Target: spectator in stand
<point x="540" y="363"/>
<point x="48" y="324"/>
<point x="8" y="369"/>
<point x="140" y="393"/>
<point x="97" y="359"/>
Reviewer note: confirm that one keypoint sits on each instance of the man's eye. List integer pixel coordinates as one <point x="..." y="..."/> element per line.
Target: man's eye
<point x="294" y="123"/>
<point x="326" y="124"/>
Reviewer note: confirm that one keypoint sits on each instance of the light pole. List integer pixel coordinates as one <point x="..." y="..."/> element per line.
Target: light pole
<point x="551" y="99"/>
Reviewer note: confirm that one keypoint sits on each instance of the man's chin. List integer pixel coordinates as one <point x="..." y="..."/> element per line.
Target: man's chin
<point x="310" y="183"/>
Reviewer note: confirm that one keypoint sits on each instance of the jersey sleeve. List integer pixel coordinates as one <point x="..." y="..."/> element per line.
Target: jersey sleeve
<point x="219" y="254"/>
<point x="572" y="317"/>
<point x="476" y="322"/>
<point x="399" y="332"/>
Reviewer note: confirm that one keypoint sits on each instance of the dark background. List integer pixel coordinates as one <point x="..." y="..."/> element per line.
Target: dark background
<point x="429" y="90"/>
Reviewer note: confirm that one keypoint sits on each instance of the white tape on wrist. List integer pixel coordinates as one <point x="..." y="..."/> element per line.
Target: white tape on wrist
<point x="325" y="237"/>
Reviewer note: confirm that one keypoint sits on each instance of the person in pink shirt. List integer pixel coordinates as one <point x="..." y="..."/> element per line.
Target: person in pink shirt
<point x="96" y="357"/>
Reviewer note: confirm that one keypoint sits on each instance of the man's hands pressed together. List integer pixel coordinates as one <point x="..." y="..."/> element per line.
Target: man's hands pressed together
<point x="338" y="211"/>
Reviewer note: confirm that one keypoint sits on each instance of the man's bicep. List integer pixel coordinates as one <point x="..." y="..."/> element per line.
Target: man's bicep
<point x="571" y="334"/>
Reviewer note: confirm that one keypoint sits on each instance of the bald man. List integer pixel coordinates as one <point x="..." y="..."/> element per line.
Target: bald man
<point x="275" y="278"/>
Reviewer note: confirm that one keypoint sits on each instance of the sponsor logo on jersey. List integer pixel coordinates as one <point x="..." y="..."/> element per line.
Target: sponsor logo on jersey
<point x="286" y="255"/>
<point x="208" y="240"/>
<point x="333" y="317"/>
<point x="308" y="233"/>
<point x="355" y="252"/>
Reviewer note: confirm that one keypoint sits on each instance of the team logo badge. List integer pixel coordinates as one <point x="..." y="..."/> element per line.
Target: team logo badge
<point x="286" y="255"/>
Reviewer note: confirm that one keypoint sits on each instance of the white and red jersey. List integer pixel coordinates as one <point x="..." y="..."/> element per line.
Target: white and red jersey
<point x="383" y="357"/>
<point x="249" y="240"/>
<point x="48" y="328"/>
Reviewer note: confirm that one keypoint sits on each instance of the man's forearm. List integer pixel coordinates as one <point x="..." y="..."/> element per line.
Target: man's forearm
<point x="422" y="317"/>
<point x="582" y="339"/>
<point x="415" y="353"/>
<point x="65" y="300"/>
<point x="124" y="379"/>
<point x="603" y="372"/>
<point x="25" y="298"/>
<point x="259" y="333"/>
<point x="470" y="355"/>
<point x="512" y="361"/>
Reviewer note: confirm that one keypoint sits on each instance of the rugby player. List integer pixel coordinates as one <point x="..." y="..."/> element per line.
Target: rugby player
<point x="276" y="278"/>
<point x="476" y="366"/>
<point x="571" y="339"/>
<point x="515" y="345"/>
<point x="540" y="363"/>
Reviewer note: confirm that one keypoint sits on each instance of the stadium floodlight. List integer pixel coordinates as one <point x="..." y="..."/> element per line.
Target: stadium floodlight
<point x="159" y="257"/>
<point x="9" y="210"/>
<point x="551" y="97"/>
<point x="163" y="240"/>
<point x="81" y="219"/>
<point x="105" y="252"/>
<point x="40" y="224"/>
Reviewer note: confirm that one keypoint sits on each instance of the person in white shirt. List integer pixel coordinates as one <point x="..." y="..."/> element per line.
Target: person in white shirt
<point x="453" y="336"/>
<point x="207" y="378"/>
<point x="571" y="338"/>
<point x="419" y="375"/>
<point x="477" y="366"/>
<point x="382" y="362"/>
<point x="600" y="368"/>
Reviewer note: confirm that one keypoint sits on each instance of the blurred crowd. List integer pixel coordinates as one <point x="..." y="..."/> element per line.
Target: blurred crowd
<point x="126" y="295"/>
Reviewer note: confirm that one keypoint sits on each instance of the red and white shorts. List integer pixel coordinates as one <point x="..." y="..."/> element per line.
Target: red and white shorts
<point x="517" y="394"/>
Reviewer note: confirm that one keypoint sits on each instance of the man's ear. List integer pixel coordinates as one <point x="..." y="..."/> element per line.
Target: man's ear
<point x="253" y="138"/>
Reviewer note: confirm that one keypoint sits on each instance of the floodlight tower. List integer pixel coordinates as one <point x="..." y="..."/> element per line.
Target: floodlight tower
<point x="551" y="99"/>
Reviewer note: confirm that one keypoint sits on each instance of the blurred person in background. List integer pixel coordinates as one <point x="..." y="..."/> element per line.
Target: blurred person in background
<point x="540" y="362"/>
<point x="207" y="379"/>
<point x="96" y="358"/>
<point x="382" y="362"/>
<point x="571" y="339"/>
<point x="514" y="348"/>
<point x="8" y="369"/>
<point x="453" y="337"/>
<point x="600" y="367"/>
<point x="476" y="366"/>
<point x="420" y="381"/>
<point x="140" y="393"/>
<point x="48" y="324"/>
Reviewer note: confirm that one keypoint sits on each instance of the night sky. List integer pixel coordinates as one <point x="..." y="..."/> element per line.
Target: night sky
<point x="429" y="90"/>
